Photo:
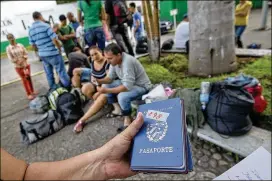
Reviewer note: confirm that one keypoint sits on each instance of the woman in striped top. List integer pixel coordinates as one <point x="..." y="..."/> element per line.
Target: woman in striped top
<point x="18" y="55"/>
<point x="99" y="69"/>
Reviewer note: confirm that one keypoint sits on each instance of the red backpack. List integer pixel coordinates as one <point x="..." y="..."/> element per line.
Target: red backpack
<point x="260" y="103"/>
<point x="120" y="11"/>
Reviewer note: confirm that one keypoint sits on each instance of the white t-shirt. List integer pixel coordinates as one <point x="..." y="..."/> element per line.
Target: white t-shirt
<point x="182" y="34"/>
<point x="80" y="35"/>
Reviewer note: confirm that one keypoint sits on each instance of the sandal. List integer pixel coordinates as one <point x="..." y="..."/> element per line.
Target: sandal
<point x="78" y="125"/>
<point x="122" y="128"/>
<point x="112" y="115"/>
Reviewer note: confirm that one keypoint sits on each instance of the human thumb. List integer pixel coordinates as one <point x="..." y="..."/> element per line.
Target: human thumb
<point x="134" y="127"/>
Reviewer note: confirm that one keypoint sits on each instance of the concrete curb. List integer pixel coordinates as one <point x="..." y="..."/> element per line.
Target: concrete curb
<point x="16" y="80"/>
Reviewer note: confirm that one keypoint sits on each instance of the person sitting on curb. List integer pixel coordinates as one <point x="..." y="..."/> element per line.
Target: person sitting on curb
<point x="131" y="84"/>
<point x="182" y="34"/>
<point x="107" y="162"/>
<point x="98" y="70"/>
<point x="77" y="60"/>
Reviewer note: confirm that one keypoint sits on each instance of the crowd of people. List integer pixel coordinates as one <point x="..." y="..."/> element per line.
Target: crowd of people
<point x="105" y="74"/>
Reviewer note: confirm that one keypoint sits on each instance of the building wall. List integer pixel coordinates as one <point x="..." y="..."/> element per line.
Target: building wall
<point x="16" y="17"/>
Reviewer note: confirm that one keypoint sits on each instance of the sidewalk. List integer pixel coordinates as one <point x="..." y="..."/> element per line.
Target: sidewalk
<point x="209" y="161"/>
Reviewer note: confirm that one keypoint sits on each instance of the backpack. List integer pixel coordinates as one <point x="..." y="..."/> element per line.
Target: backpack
<point x="39" y="105"/>
<point x="120" y="11"/>
<point x="142" y="46"/>
<point x="53" y="96"/>
<point x="168" y="44"/>
<point x="79" y="95"/>
<point x="69" y="107"/>
<point x="40" y="127"/>
<point x="229" y="108"/>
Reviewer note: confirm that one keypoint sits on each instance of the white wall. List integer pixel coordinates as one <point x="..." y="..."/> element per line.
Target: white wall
<point x="13" y="12"/>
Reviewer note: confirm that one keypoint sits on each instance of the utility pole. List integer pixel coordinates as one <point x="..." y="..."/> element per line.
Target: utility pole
<point x="264" y="15"/>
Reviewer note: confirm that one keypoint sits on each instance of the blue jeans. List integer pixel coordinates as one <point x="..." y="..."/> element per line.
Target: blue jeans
<point x="95" y="36"/>
<point x="239" y="30"/>
<point x="57" y="62"/>
<point x="125" y="98"/>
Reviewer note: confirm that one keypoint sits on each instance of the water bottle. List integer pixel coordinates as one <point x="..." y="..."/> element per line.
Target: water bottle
<point x="204" y="94"/>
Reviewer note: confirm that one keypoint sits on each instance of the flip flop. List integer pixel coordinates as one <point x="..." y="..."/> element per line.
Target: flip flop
<point x="112" y="115"/>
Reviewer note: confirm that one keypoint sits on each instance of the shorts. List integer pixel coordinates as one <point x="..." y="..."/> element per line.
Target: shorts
<point x="86" y="74"/>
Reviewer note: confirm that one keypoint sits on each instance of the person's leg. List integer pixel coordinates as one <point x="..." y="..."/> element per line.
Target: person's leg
<point x="48" y="68"/>
<point x="58" y="63"/>
<point x="125" y="99"/>
<point x="88" y="90"/>
<point x="98" y="104"/>
<point x="126" y="39"/>
<point x="119" y="38"/>
<point x="29" y="81"/>
<point x="187" y="45"/>
<point x="100" y="37"/>
<point x="89" y="37"/>
<point x="239" y="30"/>
<point x="22" y="75"/>
<point x="76" y="77"/>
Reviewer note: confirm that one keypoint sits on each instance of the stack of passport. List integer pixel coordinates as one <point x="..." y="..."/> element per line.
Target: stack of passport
<point x="162" y="144"/>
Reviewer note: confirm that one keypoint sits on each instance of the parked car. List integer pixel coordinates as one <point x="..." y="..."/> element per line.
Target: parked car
<point x="165" y="26"/>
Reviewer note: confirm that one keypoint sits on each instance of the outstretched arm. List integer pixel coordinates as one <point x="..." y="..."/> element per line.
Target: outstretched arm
<point x="104" y="163"/>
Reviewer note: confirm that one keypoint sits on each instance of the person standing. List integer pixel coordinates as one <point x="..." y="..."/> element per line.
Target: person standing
<point x="18" y="55"/>
<point x="41" y="36"/>
<point x="242" y="12"/>
<point x="94" y="13"/>
<point x="72" y="21"/>
<point x="80" y="35"/>
<point x="66" y="35"/>
<point x="118" y="24"/>
<point x="137" y="22"/>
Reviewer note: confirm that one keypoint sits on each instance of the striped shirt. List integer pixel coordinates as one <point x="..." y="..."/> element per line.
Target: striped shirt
<point x="17" y="54"/>
<point x="100" y="74"/>
<point x="41" y="34"/>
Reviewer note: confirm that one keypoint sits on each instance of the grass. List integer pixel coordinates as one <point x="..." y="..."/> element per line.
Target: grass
<point x="173" y="68"/>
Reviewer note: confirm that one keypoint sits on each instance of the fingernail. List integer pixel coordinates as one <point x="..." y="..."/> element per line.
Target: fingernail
<point x="138" y="115"/>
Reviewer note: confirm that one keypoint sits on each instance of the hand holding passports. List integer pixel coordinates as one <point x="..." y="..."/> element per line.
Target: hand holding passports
<point x="162" y="144"/>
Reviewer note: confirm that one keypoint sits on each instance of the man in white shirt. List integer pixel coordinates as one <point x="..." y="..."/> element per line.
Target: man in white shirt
<point x="182" y="34"/>
<point x="80" y="34"/>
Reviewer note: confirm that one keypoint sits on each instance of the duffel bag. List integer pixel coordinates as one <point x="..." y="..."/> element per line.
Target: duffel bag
<point x="40" y="127"/>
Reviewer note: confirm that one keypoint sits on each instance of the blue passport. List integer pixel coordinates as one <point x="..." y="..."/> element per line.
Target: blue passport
<point x="162" y="144"/>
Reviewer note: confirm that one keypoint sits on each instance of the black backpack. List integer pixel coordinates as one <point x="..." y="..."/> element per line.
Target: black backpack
<point x="142" y="46"/>
<point x="229" y="108"/>
<point x="70" y="108"/>
<point x="168" y="44"/>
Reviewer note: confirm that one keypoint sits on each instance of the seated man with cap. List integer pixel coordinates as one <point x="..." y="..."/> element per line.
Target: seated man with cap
<point x="182" y="34"/>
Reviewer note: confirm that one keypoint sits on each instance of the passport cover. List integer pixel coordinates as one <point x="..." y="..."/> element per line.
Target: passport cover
<point x="162" y="144"/>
